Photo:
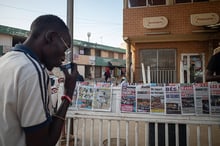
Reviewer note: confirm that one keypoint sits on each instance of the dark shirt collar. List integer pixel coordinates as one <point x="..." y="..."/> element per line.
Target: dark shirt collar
<point x="26" y="50"/>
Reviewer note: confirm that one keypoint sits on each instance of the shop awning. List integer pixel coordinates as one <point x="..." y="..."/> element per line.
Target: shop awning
<point x="100" y="61"/>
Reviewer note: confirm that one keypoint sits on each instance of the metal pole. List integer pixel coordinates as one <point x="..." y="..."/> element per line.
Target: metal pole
<point x="69" y="19"/>
<point x="143" y="73"/>
<point x="125" y="2"/>
<point x="70" y="14"/>
<point x="128" y="60"/>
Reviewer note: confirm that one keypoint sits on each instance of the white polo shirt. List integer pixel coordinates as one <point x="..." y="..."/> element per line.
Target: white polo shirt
<point x="24" y="97"/>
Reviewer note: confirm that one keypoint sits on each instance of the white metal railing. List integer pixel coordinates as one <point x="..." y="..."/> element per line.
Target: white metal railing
<point x="84" y="122"/>
<point x="161" y="76"/>
<point x="133" y="129"/>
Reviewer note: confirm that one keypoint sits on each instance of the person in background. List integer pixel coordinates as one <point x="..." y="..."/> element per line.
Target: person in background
<point x="192" y="72"/>
<point x="123" y="80"/>
<point x="213" y="67"/>
<point x="80" y="77"/>
<point x="25" y="102"/>
<point x="216" y="50"/>
<point x="107" y="74"/>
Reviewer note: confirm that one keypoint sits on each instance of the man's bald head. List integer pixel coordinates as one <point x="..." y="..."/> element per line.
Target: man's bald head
<point x="49" y="39"/>
<point x="47" y="22"/>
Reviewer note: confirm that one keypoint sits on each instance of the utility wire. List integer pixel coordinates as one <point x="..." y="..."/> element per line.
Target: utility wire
<point x="24" y="9"/>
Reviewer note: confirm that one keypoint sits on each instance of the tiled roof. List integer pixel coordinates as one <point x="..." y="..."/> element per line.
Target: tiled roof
<point x="24" y="33"/>
<point x="97" y="46"/>
<point x="13" y="31"/>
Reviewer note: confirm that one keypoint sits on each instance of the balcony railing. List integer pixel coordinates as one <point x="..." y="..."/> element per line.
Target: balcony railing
<point x="161" y="76"/>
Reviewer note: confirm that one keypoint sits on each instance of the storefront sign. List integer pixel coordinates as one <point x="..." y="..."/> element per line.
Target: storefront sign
<point x="155" y="22"/>
<point x="204" y="19"/>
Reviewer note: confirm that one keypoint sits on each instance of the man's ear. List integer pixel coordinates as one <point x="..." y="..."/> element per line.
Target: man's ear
<point x="49" y="36"/>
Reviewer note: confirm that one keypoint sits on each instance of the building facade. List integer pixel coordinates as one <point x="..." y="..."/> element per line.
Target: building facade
<point x="175" y="39"/>
<point x="91" y="58"/>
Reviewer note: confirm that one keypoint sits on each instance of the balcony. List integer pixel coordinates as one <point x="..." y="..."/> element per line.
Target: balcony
<point x="178" y="28"/>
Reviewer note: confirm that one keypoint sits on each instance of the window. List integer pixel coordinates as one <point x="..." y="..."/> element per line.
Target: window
<point x="156" y="2"/>
<point x="189" y="1"/>
<point x="84" y="51"/>
<point x="140" y="3"/>
<point x="162" y="63"/>
<point x="183" y="1"/>
<point x="137" y="3"/>
<point x="200" y="0"/>
<point x="81" y="51"/>
<point x="192" y="68"/>
<point x="111" y="54"/>
<point x="87" y="51"/>
<point x="120" y="56"/>
<point x="98" y="53"/>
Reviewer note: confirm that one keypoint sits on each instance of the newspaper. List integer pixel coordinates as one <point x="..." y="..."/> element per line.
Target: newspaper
<point x="102" y="97"/>
<point x="201" y="92"/>
<point x="128" y="98"/>
<point x="143" y="98"/>
<point x="187" y="98"/>
<point x="85" y="97"/>
<point x="173" y="102"/>
<point x="215" y="98"/>
<point x="157" y="95"/>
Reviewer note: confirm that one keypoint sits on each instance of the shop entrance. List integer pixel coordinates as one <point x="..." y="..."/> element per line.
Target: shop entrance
<point x="192" y="69"/>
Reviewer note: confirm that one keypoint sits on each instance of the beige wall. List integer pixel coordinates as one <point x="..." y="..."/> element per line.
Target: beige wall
<point x="85" y="60"/>
<point x="5" y="40"/>
<point x="116" y="55"/>
<point x="104" y="53"/>
<point x="92" y="52"/>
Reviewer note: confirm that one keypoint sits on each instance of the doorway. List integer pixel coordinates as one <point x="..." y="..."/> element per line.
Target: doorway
<point x="192" y="68"/>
